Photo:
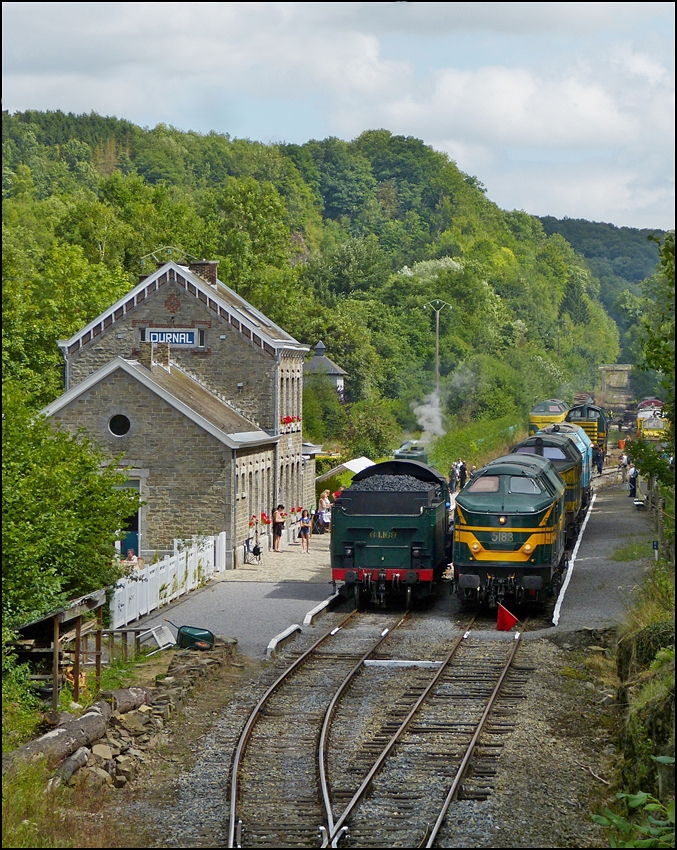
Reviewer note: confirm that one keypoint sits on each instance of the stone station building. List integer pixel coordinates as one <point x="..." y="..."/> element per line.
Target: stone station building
<point x="202" y="394"/>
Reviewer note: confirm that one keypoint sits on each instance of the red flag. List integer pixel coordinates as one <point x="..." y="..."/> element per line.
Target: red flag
<point x="505" y="620"/>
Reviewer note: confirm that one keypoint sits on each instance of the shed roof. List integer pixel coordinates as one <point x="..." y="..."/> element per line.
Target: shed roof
<point x="321" y="364"/>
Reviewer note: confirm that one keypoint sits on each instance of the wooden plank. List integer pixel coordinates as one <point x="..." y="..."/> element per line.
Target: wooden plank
<point x="76" y="662"/>
<point x="55" y="665"/>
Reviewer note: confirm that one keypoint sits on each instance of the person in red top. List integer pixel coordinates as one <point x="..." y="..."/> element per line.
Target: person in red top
<point x="338" y="493"/>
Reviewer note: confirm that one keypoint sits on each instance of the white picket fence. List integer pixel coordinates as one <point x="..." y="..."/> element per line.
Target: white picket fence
<point x="159" y="584"/>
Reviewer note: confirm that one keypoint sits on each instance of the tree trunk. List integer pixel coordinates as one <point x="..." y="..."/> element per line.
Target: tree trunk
<point x="127" y="699"/>
<point x="79" y="759"/>
<point x="61" y="742"/>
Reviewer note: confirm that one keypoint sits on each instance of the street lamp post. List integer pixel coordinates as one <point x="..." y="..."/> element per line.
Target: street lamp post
<point x="437" y="305"/>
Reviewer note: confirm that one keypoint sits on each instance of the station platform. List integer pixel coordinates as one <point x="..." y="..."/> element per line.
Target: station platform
<point x="601" y="587"/>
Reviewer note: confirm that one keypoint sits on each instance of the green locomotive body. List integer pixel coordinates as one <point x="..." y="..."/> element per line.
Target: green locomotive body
<point x="560" y="449"/>
<point x="510" y="532"/>
<point x="390" y="533"/>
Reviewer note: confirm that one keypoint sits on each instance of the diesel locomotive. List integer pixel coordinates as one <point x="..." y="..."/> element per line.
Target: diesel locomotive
<point x="593" y="420"/>
<point x="584" y="446"/>
<point x="650" y="422"/>
<point x="391" y="533"/>
<point x="510" y="532"/>
<point x="548" y="412"/>
<point x="561" y="450"/>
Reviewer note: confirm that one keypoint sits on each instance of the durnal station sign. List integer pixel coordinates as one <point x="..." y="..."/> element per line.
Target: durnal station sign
<point x="174" y="336"/>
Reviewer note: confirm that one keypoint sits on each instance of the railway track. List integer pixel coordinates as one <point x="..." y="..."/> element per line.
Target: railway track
<point x="273" y="794"/>
<point x="422" y="757"/>
<point x="376" y="758"/>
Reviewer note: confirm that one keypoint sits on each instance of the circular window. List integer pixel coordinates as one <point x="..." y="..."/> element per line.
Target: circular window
<point x="119" y="425"/>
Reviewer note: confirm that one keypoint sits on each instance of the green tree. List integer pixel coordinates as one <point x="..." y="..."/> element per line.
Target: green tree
<point x="324" y="418"/>
<point x="372" y="429"/>
<point x="575" y="302"/>
<point x="247" y="220"/>
<point x="61" y="513"/>
<point x="47" y="303"/>
<point x="659" y="327"/>
<point x="358" y="265"/>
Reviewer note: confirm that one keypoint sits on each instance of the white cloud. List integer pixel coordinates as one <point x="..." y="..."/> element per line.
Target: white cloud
<point x="594" y="79"/>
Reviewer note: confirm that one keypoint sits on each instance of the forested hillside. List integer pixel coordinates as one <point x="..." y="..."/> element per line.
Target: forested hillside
<point x="621" y="258"/>
<point x="339" y="241"/>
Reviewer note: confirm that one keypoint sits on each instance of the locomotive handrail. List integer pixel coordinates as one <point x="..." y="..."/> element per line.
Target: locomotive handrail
<point x="246" y="732"/>
<point x="332" y="838"/>
<point x="471" y="746"/>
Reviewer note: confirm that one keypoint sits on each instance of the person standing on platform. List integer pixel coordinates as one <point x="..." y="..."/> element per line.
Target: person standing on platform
<point x="279" y="517"/>
<point x="623" y="466"/>
<point x="325" y="510"/>
<point x="304" y="531"/>
<point x="453" y="477"/>
<point x="462" y="474"/>
<point x="597" y="459"/>
<point x="633" y="475"/>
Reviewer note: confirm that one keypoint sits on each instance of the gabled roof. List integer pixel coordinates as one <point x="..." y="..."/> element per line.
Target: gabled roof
<point x="219" y="298"/>
<point x="184" y="394"/>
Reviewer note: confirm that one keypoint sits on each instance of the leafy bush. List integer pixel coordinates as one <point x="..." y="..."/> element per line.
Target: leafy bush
<point x="655" y="829"/>
<point x="61" y="513"/>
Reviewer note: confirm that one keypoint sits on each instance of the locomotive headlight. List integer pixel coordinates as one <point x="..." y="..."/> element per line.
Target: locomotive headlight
<point x="528" y="548"/>
<point x="349" y="551"/>
<point x="475" y="546"/>
<point x="502" y="520"/>
<point x="416" y="553"/>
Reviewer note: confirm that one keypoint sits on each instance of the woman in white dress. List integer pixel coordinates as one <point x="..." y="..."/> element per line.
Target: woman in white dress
<point x="325" y="510"/>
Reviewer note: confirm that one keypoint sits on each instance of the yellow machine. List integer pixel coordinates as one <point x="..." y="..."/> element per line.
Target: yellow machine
<point x="549" y="412"/>
<point x="651" y="427"/>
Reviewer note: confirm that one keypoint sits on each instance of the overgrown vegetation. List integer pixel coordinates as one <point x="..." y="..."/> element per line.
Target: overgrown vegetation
<point x="55" y="546"/>
<point x="35" y="815"/>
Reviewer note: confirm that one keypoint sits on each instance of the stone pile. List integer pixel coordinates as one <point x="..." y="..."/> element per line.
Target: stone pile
<point x="114" y="759"/>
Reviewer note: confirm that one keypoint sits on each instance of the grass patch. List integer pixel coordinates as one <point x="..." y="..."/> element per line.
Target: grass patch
<point x="654" y="600"/>
<point x="477" y="442"/>
<point x="34" y="815"/>
<point x="633" y="550"/>
<point x="571" y="673"/>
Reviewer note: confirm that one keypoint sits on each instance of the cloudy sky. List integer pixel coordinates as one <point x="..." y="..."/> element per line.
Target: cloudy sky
<point x="563" y="109"/>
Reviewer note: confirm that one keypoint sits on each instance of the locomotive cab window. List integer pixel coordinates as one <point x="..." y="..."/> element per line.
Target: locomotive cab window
<point x="519" y="484"/>
<point x="553" y="453"/>
<point x="526" y="450"/>
<point x="485" y="484"/>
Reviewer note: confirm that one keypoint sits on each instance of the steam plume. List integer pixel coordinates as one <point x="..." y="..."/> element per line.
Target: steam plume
<point x="429" y="417"/>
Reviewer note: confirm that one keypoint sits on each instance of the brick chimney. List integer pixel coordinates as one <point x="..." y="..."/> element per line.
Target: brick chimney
<point x="207" y="269"/>
<point x="145" y="357"/>
<point x="162" y="354"/>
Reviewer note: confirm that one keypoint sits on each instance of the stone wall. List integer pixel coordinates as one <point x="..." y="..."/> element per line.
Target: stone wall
<point x="187" y="486"/>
